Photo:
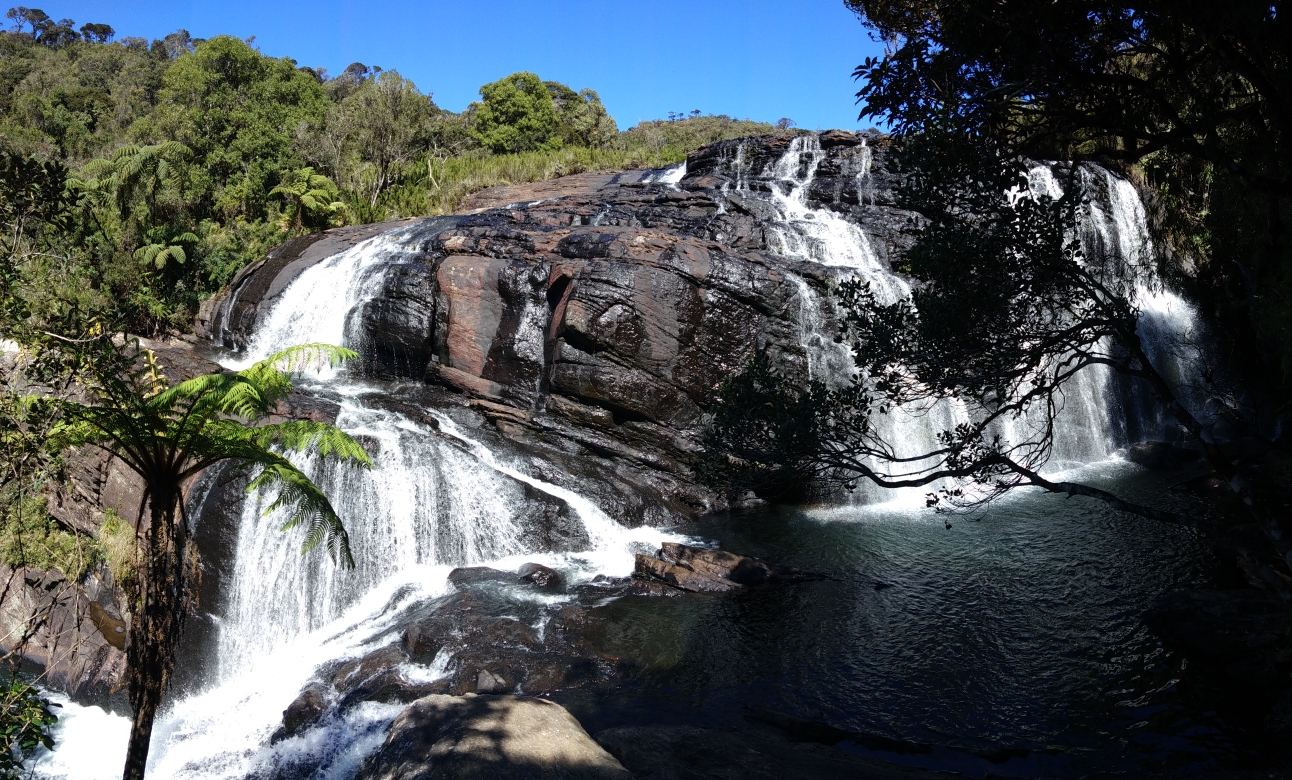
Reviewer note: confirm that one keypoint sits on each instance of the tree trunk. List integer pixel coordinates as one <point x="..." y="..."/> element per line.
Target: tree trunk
<point x="141" y="733"/>
<point x="155" y="628"/>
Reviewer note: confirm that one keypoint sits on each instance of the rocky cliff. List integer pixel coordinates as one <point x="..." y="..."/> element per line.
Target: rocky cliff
<point x="593" y="318"/>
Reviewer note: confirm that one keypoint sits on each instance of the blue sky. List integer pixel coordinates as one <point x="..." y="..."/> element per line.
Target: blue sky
<point x="757" y="58"/>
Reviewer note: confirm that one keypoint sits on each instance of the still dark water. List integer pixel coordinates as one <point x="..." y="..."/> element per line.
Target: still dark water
<point x="1012" y="644"/>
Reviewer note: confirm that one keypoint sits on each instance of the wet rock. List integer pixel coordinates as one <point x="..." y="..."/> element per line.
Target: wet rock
<point x="461" y="624"/>
<point x="488" y="682"/>
<point x="489" y="737"/>
<point x="681" y="576"/>
<point x="355" y="673"/>
<point x="540" y="575"/>
<point x="700" y="569"/>
<point x="302" y="713"/>
<point x="475" y="575"/>
<point x="596" y="314"/>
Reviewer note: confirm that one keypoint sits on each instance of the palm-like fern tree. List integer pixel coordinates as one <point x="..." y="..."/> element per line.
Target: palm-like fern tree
<point x="169" y="435"/>
<point x="310" y="194"/>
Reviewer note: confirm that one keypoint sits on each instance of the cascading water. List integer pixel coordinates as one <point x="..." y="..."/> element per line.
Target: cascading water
<point x="1089" y="426"/>
<point x="439" y="498"/>
<point x="435" y="500"/>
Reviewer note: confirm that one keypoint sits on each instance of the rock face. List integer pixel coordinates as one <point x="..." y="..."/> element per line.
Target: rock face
<point x="76" y="630"/>
<point x="442" y="737"/>
<point x="592" y="319"/>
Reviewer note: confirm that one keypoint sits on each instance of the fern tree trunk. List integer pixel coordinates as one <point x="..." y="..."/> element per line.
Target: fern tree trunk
<point x="159" y="616"/>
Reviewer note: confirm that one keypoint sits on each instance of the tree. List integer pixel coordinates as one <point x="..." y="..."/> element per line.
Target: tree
<point x="313" y="199"/>
<point x="237" y="110"/>
<point x="99" y="33"/>
<point x="387" y="120"/>
<point x="584" y="121"/>
<point x="1198" y="94"/>
<point x="169" y="435"/>
<point x="516" y="114"/>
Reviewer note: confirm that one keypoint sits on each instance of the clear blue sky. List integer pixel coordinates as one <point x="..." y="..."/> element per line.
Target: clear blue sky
<point x="757" y="58"/>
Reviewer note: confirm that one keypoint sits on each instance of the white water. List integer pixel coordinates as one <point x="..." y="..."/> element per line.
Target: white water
<point x="434" y="501"/>
<point x="442" y="499"/>
<point x="1088" y="427"/>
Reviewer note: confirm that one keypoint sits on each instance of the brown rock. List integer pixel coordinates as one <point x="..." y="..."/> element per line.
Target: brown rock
<point x="516" y="737"/>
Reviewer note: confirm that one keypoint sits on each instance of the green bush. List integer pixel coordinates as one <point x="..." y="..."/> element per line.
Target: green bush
<point x="516" y="114"/>
<point x="25" y="718"/>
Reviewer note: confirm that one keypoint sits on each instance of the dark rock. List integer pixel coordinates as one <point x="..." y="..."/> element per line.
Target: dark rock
<point x="593" y="318"/>
<point x="359" y="671"/>
<point x="681" y="576"/>
<point x="701" y="569"/>
<point x="475" y="575"/>
<point x="540" y="575"/>
<point x="1161" y="456"/>
<point x="482" y="737"/>
<point x="302" y="713"/>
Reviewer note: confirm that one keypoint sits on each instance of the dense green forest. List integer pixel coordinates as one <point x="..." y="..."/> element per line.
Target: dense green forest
<point x="181" y="160"/>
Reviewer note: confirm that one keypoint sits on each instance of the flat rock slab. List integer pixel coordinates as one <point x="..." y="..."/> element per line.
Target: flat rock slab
<point x="449" y="737"/>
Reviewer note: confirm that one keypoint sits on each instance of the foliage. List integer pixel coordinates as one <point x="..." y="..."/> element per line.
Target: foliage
<point x="25" y="718"/>
<point x="516" y="114"/>
<point x="30" y="537"/>
<point x="169" y="435"/>
<point x="185" y="156"/>
<point x="1195" y="95"/>
<point x="583" y="119"/>
<point x="683" y="135"/>
<point x="234" y="107"/>
<point x="116" y="543"/>
<point x="313" y="200"/>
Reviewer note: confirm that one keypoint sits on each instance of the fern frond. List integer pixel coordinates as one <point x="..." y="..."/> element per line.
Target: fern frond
<point x="308" y="507"/>
<point x="306" y="435"/>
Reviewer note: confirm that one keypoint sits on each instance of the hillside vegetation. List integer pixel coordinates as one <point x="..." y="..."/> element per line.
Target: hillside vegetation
<point x="181" y="160"/>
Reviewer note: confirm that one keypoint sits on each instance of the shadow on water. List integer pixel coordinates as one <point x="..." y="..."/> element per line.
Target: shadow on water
<point x="1012" y="644"/>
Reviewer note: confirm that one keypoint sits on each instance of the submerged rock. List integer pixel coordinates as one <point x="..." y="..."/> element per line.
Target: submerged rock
<point x="703" y="570"/>
<point x="450" y="737"/>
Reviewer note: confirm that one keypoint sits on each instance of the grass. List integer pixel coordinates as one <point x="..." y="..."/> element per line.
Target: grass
<point x="432" y="187"/>
<point x="31" y="537"/>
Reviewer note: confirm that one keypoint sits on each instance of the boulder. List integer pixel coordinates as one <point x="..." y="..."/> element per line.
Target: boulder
<point x="681" y="576"/>
<point x="540" y="575"/>
<point x="475" y="575"/>
<point x="302" y="713"/>
<point x="451" y="737"/>
<point x="700" y="569"/>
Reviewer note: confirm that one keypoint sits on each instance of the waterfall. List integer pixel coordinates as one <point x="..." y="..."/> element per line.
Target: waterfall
<point x="437" y="498"/>
<point x="1089" y="426"/>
